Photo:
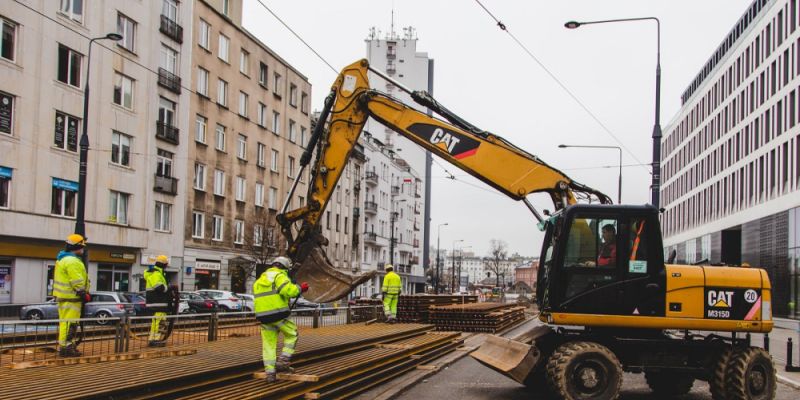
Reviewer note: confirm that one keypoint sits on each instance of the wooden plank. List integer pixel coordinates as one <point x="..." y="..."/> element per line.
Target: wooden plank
<point x="102" y="358"/>
<point x="428" y="367"/>
<point x="298" y="377"/>
<point x="311" y="396"/>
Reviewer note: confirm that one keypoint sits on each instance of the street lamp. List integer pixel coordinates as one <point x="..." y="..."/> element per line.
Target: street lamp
<point x="619" y="186"/>
<point x="655" y="185"/>
<point x="438" y="261"/>
<point x="80" y="219"/>
<point x="453" y="267"/>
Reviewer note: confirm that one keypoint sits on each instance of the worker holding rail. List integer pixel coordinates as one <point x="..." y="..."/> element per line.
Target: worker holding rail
<point x="70" y="288"/>
<point x="156" y="297"/>
<point x="272" y="292"/>
<point x="391" y="292"/>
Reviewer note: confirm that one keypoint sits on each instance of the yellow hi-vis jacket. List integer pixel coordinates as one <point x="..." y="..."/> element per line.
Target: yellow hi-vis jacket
<point x="156" y="297"/>
<point x="272" y="292"/>
<point x="69" y="277"/>
<point x="391" y="283"/>
<point x="154" y="279"/>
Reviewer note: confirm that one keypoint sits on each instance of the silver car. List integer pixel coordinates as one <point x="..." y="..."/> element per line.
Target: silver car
<point x="227" y="300"/>
<point x="104" y="305"/>
<point x="248" y="301"/>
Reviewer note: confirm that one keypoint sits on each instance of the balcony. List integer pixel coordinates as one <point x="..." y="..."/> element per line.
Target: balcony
<point x="370" y="237"/>
<point x="166" y="184"/>
<point x="391" y="68"/>
<point x="394" y="215"/>
<point x="371" y="207"/>
<point x="395" y="190"/>
<point x="371" y="177"/>
<point x="167" y="132"/>
<point x="169" y="81"/>
<point x="356" y="212"/>
<point x="391" y="53"/>
<point x="357" y="187"/>
<point x="416" y="243"/>
<point x="414" y="260"/>
<point x="171" y="29"/>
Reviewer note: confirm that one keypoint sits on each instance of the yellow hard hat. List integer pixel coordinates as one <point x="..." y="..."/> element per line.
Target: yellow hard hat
<point x="162" y="259"/>
<point x="76" y="240"/>
<point x="388" y="267"/>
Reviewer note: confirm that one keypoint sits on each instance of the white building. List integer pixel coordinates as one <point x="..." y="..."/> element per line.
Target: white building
<point x="731" y="171"/>
<point x="134" y="203"/>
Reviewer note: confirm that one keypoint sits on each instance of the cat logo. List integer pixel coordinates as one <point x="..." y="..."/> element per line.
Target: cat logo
<point x="720" y="298"/>
<point x="442" y="138"/>
<point x="457" y="144"/>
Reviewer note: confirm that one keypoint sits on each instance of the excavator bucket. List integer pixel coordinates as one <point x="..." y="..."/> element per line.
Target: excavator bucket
<point x="508" y="357"/>
<point x="325" y="282"/>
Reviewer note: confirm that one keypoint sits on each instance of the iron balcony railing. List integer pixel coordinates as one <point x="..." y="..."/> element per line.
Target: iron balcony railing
<point x="171" y="29"/>
<point x="169" y="81"/>
<point x="370" y="237"/>
<point x="371" y="207"/>
<point x="167" y="132"/>
<point x="166" y="184"/>
<point x="371" y="177"/>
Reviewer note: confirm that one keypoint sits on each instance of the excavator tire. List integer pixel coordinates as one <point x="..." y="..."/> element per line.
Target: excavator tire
<point x="584" y="370"/>
<point x="751" y="375"/>
<point x="536" y="382"/>
<point x="669" y="383"/>
<point x="717" y="377"/>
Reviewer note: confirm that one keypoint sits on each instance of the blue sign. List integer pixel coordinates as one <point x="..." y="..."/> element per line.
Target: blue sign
<point x="65" y="185"/>
<point x="5" y="172"/>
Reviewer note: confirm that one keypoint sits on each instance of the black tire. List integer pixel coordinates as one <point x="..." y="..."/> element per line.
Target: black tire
<point x="584" y="370"/>
<point x="103" y="317"/>
<point x="751" y="375"/>
<point x="34" y="315"/>
<point x="536" y="382"/>
<point x="669" y="383"/>
<point x="716" y="381"/>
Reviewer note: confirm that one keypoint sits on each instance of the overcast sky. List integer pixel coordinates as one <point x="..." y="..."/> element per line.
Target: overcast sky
<point x="486" y="78"/>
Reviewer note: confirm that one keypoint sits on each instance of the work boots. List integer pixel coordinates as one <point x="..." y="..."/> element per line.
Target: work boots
<point x="391" y="320"/>
<point x="282" y="365"/>
<point x="69" y="351"/>
<point x="271" y="378"/>
<point x="156" y="343"/>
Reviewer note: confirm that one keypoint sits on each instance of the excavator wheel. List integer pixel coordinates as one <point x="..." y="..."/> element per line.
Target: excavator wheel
<point x="669" y="383"/>
<point x="584" y="370"/>
<point x="750" y="375"/>
<point x="537" y="383"/>
<point x="717" y="376"/>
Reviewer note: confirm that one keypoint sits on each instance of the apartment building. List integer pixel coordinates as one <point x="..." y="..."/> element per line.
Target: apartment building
<point x="731" y="171"/>
<point x="251" y="122"/>
<point x="134" y="202"/>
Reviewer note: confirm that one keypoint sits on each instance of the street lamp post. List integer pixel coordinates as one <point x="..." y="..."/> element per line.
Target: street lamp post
<point x="80" y="218"/>
<point x="619" y="186"/>
<point x="655" y="185"/>
<point x="453" y="267"/>
<point x="438" y="260"/>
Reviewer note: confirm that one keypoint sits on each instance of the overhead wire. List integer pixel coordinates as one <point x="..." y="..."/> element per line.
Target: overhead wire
<point x="563" y="86"/>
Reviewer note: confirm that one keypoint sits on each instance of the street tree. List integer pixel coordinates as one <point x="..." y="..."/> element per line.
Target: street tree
<point x="498" y="252"/>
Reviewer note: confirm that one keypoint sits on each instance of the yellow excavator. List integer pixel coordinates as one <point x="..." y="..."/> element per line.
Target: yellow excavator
<point x="609" y="301"/>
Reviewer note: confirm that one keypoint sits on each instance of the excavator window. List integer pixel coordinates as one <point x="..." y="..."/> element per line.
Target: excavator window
<point x="590" y="258"/>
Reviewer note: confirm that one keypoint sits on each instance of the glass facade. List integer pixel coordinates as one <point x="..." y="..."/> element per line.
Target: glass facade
<point x="794" y="262"/>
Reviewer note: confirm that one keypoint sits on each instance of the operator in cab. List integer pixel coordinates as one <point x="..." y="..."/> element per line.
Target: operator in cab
<point x="607" y="256"/>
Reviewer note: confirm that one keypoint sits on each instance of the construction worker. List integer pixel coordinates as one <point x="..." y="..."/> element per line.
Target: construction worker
<point x="156" y="297"/>
<point x="272" y="292"/>
<point x="391" y="291"/>
<point x="70" y="288"/>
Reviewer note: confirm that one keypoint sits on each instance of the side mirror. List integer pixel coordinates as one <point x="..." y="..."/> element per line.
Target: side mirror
<point x="672" y="255"/>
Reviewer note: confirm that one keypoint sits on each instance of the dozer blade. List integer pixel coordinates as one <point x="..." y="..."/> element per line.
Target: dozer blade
<point x="325" y="282"/>
<point x="508" y="357"/>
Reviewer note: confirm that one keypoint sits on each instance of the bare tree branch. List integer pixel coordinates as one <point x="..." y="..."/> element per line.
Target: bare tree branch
<point x="498" y="251"/>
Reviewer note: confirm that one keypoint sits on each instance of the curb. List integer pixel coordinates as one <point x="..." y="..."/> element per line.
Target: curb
<point x="789" y="382"/>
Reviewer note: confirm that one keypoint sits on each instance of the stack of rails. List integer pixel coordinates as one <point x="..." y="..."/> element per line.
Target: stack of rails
<point x="476" y="317"/>
<point x="362" y="314"/>
<point x="415" y="308"/>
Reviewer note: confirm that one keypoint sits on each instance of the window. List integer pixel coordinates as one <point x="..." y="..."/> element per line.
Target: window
<point x="217" y="228"/>
<point x="204" y="36"/>
<point x="220" y="138"/>
<point x="127" y="28"/>
<point x="262" y="114"/>
<point x="244" y="62"/>
<point x="591" y="246"/>
<point x="224" y="43"/>
<point x="292" y="95"/>
<point x="169" y="59"/>
<point x="273" y="198"/>
<point x="199" y="176"/>
<point x="304" y="103"/>
<point x="202" y="81"/>
<point x="273" y="164"/>
<point x="222" y="93"/>
<point x="169" y="9"/>
<point x="72" y="9"/>
<point x="292" y="133"/>
<point x="6" y="113"/>
<point x="5" y="187"/>
<point x="219" y="182"/>
<point x="243" y="98"/>
<point x="166" y="111"/>
<point x="258" y="235"/>
<point x="200" y="128"/>
<point x="9" y="40"/>
<point x="263" y="73"/>
<point x="303" y="136"/>
<point x="277" y="84"/>
<point x="118" y="207"/>
<point x="123" y="91"/>
<point x="238" y="231"/>
<point x="276" y="123"/>
<point x="261" y="156"/>
<point x="162" y="216"/>
<point x="241" y="147"/>
<point x="290" y="172"/>
<point x="198" y="224"/>
<point x="120" y="149"/>
<point x="163" y="163"/>
<point x="69" y="66"/>
<point x="259" y="195"/>
<point x="66" y="133"/>
<point x="65" y="194"/>
<point x="226" y="7"/>
<point x="240" y="188"/>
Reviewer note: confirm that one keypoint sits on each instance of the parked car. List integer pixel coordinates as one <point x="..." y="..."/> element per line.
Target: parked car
<point x="248" y="301"/>
<point x="104" y="305"/>
<point x="197" y="303"/>
<point x="140" y="304"/>
<point x="227" y="301"/>
<point x="305" y="307"/>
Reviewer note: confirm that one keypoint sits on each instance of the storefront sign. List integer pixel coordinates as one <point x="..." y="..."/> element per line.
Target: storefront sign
<point x="5" y="173"/>
<point x="6" y="112"/>
<point x="65" y="185"/>
<point x="207" y="265"/>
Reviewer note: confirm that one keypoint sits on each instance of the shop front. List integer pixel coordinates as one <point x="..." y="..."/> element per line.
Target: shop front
<point x="206" y="274"/>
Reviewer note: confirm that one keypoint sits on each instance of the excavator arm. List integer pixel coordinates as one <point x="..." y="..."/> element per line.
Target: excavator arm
<point x="486" y="156"/>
